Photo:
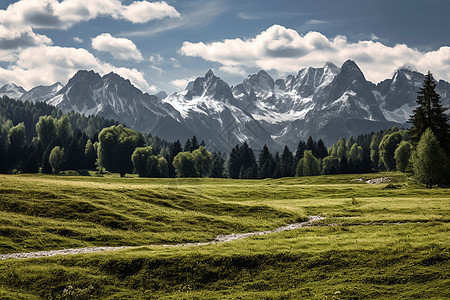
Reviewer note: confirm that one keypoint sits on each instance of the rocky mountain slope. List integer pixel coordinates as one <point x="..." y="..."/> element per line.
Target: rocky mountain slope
<point x="326" y="103"/>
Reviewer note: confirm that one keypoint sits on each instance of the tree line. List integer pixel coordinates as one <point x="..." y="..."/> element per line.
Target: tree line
<point x="45" y="140"/>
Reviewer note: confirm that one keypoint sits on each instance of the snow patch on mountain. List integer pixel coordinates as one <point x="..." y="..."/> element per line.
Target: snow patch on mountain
<point x="399" y="115"/>
<point x="12" y="91"/>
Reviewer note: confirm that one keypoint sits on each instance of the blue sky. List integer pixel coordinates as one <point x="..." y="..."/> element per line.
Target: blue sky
<point x="163" y="45"/>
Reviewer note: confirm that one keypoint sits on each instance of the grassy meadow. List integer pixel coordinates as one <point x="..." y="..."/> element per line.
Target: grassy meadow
<point x="387" y="241"/>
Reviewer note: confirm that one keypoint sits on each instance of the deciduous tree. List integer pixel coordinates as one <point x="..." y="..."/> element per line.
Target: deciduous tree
<point x="428" y="160"/>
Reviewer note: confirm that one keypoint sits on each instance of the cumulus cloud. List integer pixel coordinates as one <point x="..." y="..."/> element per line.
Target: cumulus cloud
<point x="142" y="12"/>
<point x="59" y="64"/>
<point x="286" y="51"/>
<point x="11" y="38"/>
<point x="119" y="48"/>
<point x="66" y="13"/>
<point x="182" y="82"/>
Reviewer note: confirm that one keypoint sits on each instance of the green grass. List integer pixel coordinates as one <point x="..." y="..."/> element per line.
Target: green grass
<point x="388" y="243"/>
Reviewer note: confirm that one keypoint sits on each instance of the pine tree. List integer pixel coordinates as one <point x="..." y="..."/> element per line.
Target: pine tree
<point x="286" y="163"/>
<point x="249" y="162"/>
<point x="266" y="164"/>
<point x="299" y="152"/>
<point x="194" y="143"/>
<point x="187" y="146"/>
<point x="322" y="151"/>
<point x="175" y="148"/>
<point x="277" y="173"/>
<point x="430" y="114"/>
<point x="218" y="165"/>
<point x="234" y="163"/>
<point x="311" y="145"/>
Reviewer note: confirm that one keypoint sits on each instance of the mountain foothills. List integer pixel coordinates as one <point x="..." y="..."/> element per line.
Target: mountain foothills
<point x="326" y="103"/>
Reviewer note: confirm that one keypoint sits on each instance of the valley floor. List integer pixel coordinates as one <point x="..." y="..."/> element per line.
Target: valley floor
<point x="386" y="240"/>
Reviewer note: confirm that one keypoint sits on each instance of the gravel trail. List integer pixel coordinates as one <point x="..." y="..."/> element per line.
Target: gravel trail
<point x="218" y="240"/>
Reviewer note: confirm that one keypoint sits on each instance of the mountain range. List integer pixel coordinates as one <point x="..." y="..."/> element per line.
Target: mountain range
<point x="325" y="103"/>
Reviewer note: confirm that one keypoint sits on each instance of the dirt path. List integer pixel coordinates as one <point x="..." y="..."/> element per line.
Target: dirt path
<point x="218" y="240"/>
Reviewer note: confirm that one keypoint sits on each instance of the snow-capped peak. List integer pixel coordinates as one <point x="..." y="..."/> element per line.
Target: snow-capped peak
<point x="11" y="90"/>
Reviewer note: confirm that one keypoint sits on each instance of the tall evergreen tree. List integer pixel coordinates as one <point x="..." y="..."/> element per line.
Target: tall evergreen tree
<point x="176" y="148"/>
<point x="322" y="151"/>
<point x="248" y="162"/>
<point x="266" y="164"/>
<point x="301" y="147"/>
<point x="277" y="173"/>
<point x="311" y="145"/>
<point x="218" y="165"/>
<point x="234" y="163"/>
<point x="194" y="143"/>
<point x="187" y="145"/>
<point x="287" y="163"/>
<point x="430" y="114"/>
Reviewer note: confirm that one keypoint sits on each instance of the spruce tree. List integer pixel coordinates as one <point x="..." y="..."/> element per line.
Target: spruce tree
<point x="311" y="145"/>
<point x="234" y="163"/>
<point x="188" y="145"/>
<point x="218" y="165"/>
<point x="287" y="163"/>
<point x="299" y="152"/>
<point x="175" y="148"/>
<point x="430" y="114"/>
<point x="266" y="164"/>
<point x="277" y="173"/>
<point x="194" y="143"/>
<point x="322" y="151"/>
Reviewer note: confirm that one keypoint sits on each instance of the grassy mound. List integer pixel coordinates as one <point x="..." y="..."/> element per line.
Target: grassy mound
<point x="384" y="243"/>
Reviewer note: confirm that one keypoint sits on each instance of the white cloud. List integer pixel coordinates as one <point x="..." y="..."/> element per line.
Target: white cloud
<point x="59" y="64"/>
<point x="78" y="40"/>
<point x="158" y="69"/>
<point x="234" y="70"/>
<point x="156" y="59"/>
<point x="315" y="22"/>
<point x="119" y="48"/>
<point x="286" y="51"/>
<point x="175" y="62"/>
<point x="200" y="14"/>
<point x="142" y="12"/>
<point x="373" y="37"/>
<point x="182" y="82"/>
<point x="66" y="13"/>
<point x="14" y="38"/>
